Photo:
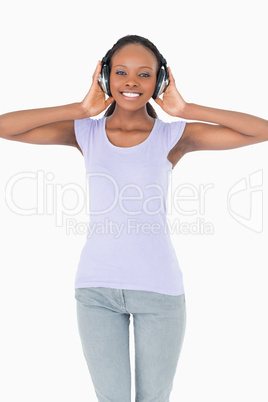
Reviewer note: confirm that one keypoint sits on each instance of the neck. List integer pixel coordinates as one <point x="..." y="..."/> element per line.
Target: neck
<point x="130" y="119"/>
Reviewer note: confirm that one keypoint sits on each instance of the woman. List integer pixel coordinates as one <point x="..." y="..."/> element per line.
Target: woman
<point x="128" y="264"/>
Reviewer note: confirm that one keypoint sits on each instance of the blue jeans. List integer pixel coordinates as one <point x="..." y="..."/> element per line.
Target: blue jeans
<point x="159" y="321"/>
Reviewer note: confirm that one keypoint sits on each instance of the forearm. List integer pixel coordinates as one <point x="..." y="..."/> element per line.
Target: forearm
<point x="243" y="123"/>
<point x="21" y="121"/>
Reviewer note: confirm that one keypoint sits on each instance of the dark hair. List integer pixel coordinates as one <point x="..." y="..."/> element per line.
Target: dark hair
<point x="126" y="40"/>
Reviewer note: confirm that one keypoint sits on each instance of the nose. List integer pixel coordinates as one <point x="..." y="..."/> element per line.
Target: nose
<point x="131" y="81"/>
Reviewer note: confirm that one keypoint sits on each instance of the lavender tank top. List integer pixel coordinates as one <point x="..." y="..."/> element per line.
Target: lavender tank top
<point x="128" y="244"/>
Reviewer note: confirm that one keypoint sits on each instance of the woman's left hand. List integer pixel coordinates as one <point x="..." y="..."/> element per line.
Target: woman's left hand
<point x="172" y="103"/>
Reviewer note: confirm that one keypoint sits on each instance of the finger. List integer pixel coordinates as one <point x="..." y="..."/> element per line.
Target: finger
<point x="95" y="77"/>
<point x="109" y="101"/>
<point x="158" y="101"/>
<point x="171" y="77"/>
<point x="97" y="70"/>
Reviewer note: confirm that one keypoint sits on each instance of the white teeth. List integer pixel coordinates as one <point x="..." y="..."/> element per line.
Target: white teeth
<point x="130" y="95"/>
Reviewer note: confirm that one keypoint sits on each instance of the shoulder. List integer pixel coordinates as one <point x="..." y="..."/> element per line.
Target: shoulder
<point x="85" y="130"/>
<point x="87" y="125"/>
<point x="174" y="132"/>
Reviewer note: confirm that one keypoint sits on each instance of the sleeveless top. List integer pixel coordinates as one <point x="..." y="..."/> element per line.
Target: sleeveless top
<point x="128" y="244"/>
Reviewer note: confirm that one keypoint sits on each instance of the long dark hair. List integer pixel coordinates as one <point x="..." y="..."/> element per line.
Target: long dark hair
<point x="126" y="40"/>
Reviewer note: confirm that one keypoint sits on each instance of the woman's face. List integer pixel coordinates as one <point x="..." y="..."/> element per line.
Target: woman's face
<point x="134" y="69"/>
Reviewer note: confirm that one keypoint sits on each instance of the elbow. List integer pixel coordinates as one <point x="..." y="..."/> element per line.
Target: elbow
<point x="3" y="130"/>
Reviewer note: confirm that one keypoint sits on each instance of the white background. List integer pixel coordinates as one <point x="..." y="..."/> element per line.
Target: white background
<point x="218" y="54"/>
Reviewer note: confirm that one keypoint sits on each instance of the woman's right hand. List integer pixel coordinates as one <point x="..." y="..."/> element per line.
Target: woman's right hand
<point x="94" y="102"/>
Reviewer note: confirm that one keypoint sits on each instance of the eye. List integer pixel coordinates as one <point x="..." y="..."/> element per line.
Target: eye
<point x="117" y="72"/>
<point x="148" y="75"/>
<point x="120" y="71"/>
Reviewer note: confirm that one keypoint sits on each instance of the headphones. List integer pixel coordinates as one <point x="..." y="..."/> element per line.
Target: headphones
<point x="162" y="81"/>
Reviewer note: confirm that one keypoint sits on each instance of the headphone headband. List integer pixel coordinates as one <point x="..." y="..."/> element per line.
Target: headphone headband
<point x="105" y="58"/>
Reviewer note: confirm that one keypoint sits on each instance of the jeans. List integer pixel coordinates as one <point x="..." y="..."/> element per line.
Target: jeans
<point x="159" y="320"/>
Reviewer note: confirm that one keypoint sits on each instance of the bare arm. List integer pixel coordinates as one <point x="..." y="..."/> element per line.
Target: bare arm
<point x="232" y="129"/>
<point x="228" y="130"/>
<point x="15" y="123"/>
<point x="54" y="125"/>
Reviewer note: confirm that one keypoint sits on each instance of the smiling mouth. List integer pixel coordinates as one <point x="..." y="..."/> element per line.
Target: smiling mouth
<point x="131" y="95"/>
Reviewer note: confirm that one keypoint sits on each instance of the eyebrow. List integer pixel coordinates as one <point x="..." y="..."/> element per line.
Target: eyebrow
<point x="121" y="65"/>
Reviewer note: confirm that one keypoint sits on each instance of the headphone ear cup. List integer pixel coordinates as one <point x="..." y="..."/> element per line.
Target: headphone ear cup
<point x="159" y="83"/>
<point x="104" y="80"/>
<point x="106" y="77"/>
